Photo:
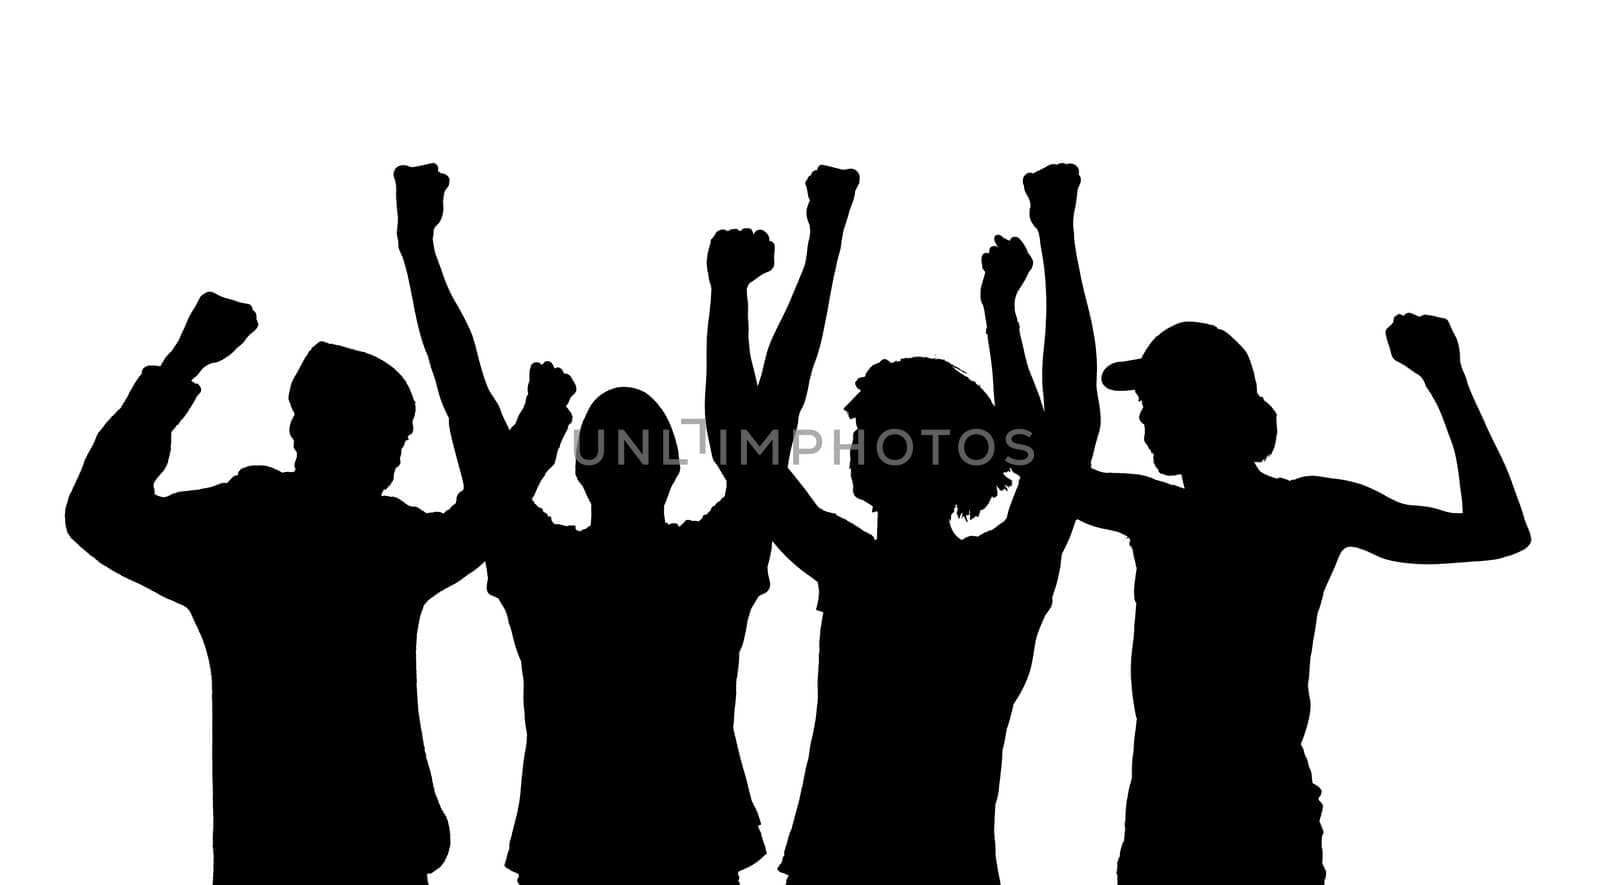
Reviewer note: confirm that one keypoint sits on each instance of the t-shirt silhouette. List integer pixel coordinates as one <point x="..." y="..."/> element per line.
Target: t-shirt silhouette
<point x="1227" y="594"/>
<point x="920" y="661"/>
<point x="308" y="603"/>
<point x="630" y="658"/>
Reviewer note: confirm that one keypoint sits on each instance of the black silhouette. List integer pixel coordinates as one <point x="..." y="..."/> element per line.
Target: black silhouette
<point x="1231" y="570"/>
<point x="307" y="588"/>
<point x="629" y="631"/>
<point x="927" y="639"/>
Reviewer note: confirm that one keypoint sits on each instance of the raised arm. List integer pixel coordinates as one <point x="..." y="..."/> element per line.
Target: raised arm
<point x="1490" y="524"/>
<point x="477" y="427"/>
<point x="786" y="372"/>
<point x="734" y="260"/>
<point x="1048" y="496"/>
<point x="740" y="416"/>
<point x="1005" y="267"/>
<point x="540" y="429"/>
<point x="1072" y="403"/>
<point x="113" y="511"/>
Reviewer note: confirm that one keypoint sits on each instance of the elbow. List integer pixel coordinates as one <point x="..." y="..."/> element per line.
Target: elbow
<point x="1505" y="541"/>
<point x="79" y="521"/>
<point x="88" y="519"/>
<point x="1518" y="539"/>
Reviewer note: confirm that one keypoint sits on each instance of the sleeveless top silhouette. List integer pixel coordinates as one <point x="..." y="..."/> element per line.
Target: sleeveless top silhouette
<point x="630" y="658"/>
<point x="308" y="604"/>
<point x="921" y="660"/>
<point x="1227" y="594"/>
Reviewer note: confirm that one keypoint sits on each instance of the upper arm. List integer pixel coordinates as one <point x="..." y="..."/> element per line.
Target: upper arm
<point x="1125" y="503"/>
<point x="819" y="543"/>
<point x="165" y="543"/>
<point x="1359" y="517"/>
<point x="439" y="549"/>
<point x="1044" y="507"/>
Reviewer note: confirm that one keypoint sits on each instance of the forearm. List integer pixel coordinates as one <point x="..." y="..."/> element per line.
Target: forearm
<point x="452" y="352"/>
<point x="1015" y="394"/>
<point x="129" y="454"/>
<point x="730" y="372"/>
<point x="477" y="426"/>
<point x="1488" y="498"/>
<point x="1071" y="399"/>
<point x="536" y="440"/>
<point x="786" y="372"/>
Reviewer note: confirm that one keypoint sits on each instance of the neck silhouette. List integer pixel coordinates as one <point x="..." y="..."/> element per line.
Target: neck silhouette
<point x="1220" y="477"/>
<point x="901" y="527"/>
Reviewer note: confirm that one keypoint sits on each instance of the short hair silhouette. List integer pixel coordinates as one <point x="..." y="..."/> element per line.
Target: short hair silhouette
<point x="626" y="448"/>
<point x="632" y="769"/>
<point x="352" y="415"/>
<point x="347" y="385"/>
<point x="936" y="405"/>
<point x="1198" y="376"/>
<point x="307" y="588"/>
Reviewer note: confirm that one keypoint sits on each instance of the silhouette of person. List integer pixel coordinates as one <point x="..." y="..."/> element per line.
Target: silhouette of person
<point x="926" y="638"/>
<point x="307" y="588"/>
<point x="1231" y="570"/>
<point x="629" y="630"/>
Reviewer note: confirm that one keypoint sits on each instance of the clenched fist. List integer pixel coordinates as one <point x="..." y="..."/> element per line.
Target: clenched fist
<point x="1424" y="344"/>
<point x="1052" y="195"/>
<point x="419" y="197"/>
<point x="831" y="192"/>
<point x="215" y="328"/>
<point x="549" y="386"/>
<point x="1005" y="266"/>
<point x="737" y="257"/>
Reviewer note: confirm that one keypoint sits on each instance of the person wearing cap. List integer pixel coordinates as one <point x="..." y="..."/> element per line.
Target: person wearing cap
<point x="1231" y="569"/>
<point x="307" y="587"/>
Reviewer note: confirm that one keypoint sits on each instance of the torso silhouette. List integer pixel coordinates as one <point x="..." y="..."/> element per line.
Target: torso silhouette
<point x="1227" y="594"/>
<point x="308" y="602"/>
<point x="630" y="657"/>
<point x="921" y="659"/>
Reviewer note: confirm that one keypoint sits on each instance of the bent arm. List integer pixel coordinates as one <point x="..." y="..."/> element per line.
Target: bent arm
<point x="113" y="512"/>
<point x="1491" y="516"/>
<point x="1490" y="524"/>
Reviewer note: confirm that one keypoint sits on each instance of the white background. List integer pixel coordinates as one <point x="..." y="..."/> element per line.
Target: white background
<point x="1294" y="177"/>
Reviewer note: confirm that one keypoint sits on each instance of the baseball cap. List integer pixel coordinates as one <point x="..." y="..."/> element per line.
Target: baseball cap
<point x="1189" y="355"/>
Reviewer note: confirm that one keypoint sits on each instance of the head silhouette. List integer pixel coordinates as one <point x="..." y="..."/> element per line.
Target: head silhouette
<point x="927" y="439"/>
<point x="1200" y="407"/>
<point x="627" y="455"/>
<point x="352" y="416"/>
